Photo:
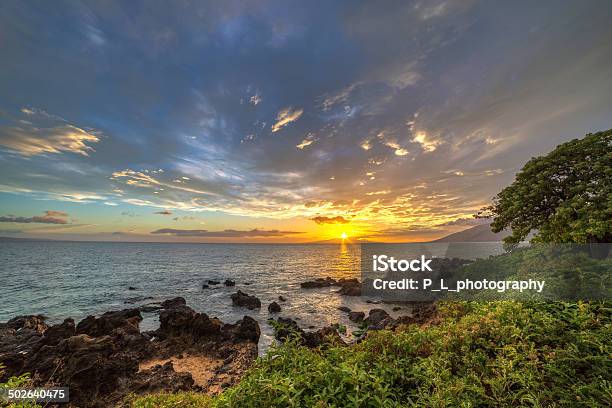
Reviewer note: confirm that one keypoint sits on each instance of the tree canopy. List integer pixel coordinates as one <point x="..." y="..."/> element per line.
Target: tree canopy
<point x="565" y="196"/>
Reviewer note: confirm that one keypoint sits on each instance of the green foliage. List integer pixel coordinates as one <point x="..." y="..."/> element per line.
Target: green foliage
<point x="22" y="381"/>
<point x="499" y="354"/>
<point x="167" y="400"/>
<point x="566" y="196"/>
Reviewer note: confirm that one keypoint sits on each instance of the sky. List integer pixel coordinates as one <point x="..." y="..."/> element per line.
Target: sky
<point x="284" y="121"/>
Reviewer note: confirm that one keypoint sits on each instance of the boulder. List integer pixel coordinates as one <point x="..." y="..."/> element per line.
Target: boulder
<point x="229" y="282"/>
<point x="174" y="302"/>
<point x="246" y="329"/>
<point x="245" y="300"/>
<point x="213" y="282"/>
<point x="344" y="309"/>
<point x="274" y="307"/>
<point x="356" y="316"/>
<point x="378" y="319"/>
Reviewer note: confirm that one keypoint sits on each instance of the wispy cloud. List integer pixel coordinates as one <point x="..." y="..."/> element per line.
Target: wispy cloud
<point x="285" y="117"/>
<point x="228" y="233"/>
<point x="32" y="141"/>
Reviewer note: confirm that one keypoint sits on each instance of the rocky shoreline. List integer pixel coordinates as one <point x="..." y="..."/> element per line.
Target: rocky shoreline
<point x="104" y="358"/>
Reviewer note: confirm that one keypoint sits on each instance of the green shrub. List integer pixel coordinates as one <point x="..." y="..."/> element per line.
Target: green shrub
<point x="499" y="354"/>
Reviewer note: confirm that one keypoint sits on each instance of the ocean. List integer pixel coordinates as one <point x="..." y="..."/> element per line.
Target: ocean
<point x="77" y="279"/>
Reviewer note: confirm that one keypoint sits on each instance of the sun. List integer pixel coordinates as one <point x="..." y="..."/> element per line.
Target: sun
<point x="343" y="236"/>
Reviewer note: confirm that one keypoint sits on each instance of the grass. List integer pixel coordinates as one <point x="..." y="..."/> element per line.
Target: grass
<point x="498" y="354"/>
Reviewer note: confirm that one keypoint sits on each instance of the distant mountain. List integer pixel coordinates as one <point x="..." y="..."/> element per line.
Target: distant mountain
<point x="479" y="233"/>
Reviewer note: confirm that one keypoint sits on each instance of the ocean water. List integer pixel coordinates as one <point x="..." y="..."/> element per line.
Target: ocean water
<point x="76" y="279"/>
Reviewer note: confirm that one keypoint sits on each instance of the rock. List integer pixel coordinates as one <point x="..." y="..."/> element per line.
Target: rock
<point x="376" y="316"/>
<point x="56" y="333"/>
<point x="274" y="307"/>
<point x="229" y="282"/>
<point x="318" y="283"/>
<point x="205" y="286"/>
<point x="108" y="322"/>
<point x="349" y="287"/>
<point x="282" y="298"/>
<point x="174" y="302"/>
<point x="344" y="309"/>
<point x="245" y="329"/>
<point x="356" y="316"/>
<point x="100" y="358"/>
<point x="424" y="314"/>
<point x="396" y="308"/>
<point x="287" y="328"/>
<point x="162" y="378"/>
<point x="184" y="321"/>
<point x="213" y="282"/>
<point x="131" y="288"/>
<point x="378" y="319"/>
<point x="244" y="300"/>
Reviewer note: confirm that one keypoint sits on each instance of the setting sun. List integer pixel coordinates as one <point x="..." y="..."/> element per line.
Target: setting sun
<point x="343" y="235"/>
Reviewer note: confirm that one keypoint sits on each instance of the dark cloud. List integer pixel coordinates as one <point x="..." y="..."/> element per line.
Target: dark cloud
<point x="229" y="233"/>
<point x="164" y="212"/>
<point x="50" y="217"/>
<point x="330" y="220"/>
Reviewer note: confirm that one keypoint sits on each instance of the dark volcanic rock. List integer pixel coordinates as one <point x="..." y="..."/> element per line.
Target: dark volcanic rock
<point x="131" y="288"/>
<point x="59" y="332"/>
<point x="378" y="319"/>
<point x="213" y="282"/>
<point x="356" y="316"/>
<point x="274" y="307"/>
<point x="174" y="302"/>
<point x="344" y="309"/>
<point x="242" y="299"/>
<point x="349" y="287"/>
<point x="100" y="359"/>
<point x="288" y="328"/>
<point x="229" y="282"/>
<point x="205" y="286"/>
<point x="184" y="321"/>
<point x="245" y="329"/>
<point x="318" y="283"/>
<point x="109" y="321"/>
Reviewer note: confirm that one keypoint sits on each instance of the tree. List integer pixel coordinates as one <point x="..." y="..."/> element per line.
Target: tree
<point x="565" y="196"/>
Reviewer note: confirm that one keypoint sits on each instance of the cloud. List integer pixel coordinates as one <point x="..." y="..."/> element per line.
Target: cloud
<point x="228" y="233"/>
<point x="50" y="217"/>
<point x="164" y="212"/>
<point x="428" y="144"/>
<point x="53" y="213"/>
<point x="285" y="117"/>
<point x="256" y="99"/>
<point x="467" y="221"/>
<point x="32" y="141"/>
<point x="330" y="220"/>
<point x="310" y="139"/>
